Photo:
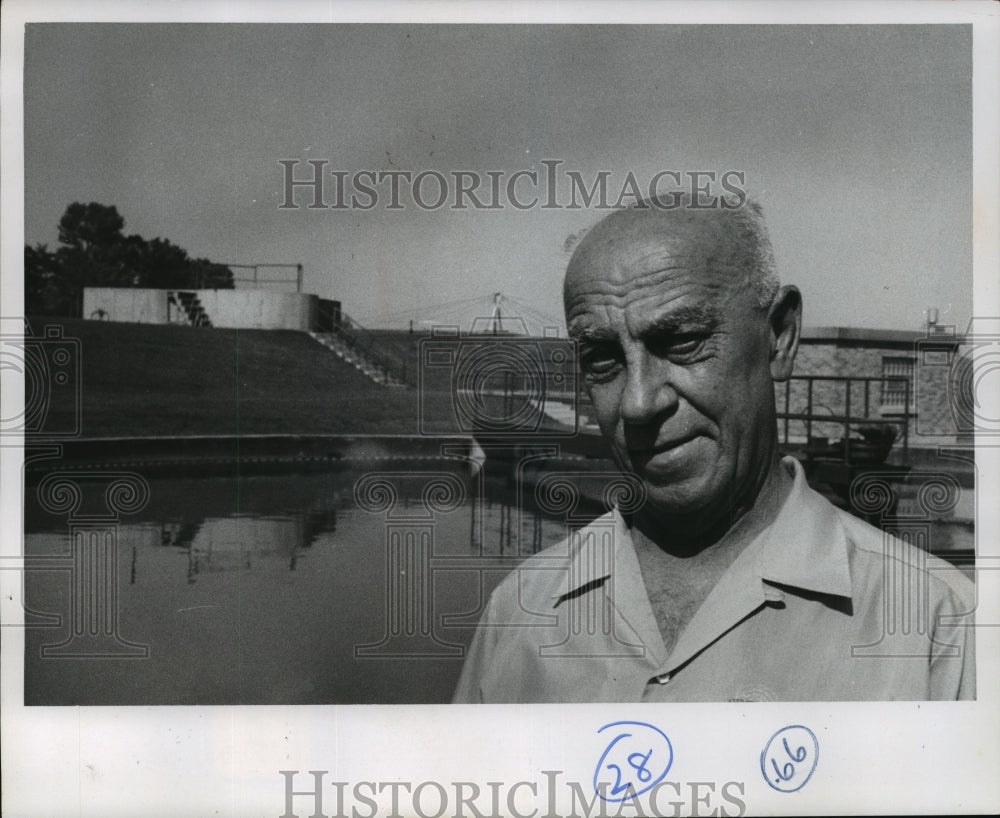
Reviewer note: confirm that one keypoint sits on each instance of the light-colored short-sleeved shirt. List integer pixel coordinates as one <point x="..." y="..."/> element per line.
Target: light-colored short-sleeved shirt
<point x="818" y="607"/>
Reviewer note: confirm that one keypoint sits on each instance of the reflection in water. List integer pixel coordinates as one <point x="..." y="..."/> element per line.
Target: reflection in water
<point x="224" y="543"/>
<point x="358" y="586"/>
<point x="285" y="589"/>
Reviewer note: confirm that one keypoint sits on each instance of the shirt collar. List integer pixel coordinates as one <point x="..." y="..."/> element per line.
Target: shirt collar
<point x="594" y="551"/>
<point x="602" y="555"/>
<point x="805" y="547"/>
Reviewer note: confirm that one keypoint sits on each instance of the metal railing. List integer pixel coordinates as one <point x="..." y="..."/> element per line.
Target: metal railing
<point x="846" y="419"/>
<point x="255" y="279"/>
<point x="367" y="346"/>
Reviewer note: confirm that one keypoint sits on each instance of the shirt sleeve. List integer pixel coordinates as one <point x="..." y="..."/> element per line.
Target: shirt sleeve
<point x="953" y="675"/>
<point x="478" y="660"/>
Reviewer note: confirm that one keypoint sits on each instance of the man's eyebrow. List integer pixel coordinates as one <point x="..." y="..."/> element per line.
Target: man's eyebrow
<point x="703" y="316"/>
<point x="700" y="315"/>
<point x="580" y="332"/>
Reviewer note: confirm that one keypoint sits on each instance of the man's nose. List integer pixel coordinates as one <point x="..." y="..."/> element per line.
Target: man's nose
<point x="649" y="392"/>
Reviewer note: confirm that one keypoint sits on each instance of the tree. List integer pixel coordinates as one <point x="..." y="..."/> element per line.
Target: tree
<point x="46" y="292"/>
<point x="88" y="226"/>
<point x="94" y="252"/>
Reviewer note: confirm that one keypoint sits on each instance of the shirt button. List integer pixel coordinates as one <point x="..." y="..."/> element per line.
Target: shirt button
<point x="663" y="678"/>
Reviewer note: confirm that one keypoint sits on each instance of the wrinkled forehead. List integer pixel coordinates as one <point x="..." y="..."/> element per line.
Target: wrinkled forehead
<point x="630" y="248"/>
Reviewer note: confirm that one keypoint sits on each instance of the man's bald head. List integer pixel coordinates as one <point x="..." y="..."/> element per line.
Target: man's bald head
<point x="733" y="244"/>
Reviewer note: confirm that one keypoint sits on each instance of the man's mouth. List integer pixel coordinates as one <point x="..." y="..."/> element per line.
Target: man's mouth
<point x="665" y="457"/>
<point x="660" y="448"/>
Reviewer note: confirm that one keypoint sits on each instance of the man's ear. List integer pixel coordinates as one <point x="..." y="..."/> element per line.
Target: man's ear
<point x="785" y="320"/>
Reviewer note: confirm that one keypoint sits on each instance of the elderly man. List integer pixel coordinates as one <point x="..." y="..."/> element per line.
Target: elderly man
<point x="733" y="580"/>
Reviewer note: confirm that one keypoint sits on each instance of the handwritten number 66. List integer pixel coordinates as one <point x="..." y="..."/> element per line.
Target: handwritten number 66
<point x="790" y="773"/>
<point x="788" y="769"/>
<point x="798" y="755"/>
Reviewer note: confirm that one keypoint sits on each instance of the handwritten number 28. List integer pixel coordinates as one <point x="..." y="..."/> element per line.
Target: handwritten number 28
<point x="638" y="762"/>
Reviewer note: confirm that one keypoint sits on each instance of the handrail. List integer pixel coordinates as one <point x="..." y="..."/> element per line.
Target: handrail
<point x="363" y="342"/>
<point x="847" y="418"/>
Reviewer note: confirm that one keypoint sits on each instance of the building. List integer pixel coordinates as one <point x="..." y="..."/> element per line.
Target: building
<point x="917" y="382"/>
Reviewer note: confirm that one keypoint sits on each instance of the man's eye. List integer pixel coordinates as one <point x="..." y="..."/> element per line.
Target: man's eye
<point x="679" y="346"/>
<point x="600" y="365"/>
<point x="686" y="346"/>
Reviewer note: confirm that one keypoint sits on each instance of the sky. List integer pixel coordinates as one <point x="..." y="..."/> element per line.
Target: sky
<point x="857" y="141"/>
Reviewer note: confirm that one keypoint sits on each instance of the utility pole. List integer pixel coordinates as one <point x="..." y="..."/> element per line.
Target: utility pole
<point x="496" y="320"/>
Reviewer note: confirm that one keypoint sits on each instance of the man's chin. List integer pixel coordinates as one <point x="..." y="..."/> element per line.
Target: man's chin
<point x="678" y="499"/>
<point x="679" y="482"/>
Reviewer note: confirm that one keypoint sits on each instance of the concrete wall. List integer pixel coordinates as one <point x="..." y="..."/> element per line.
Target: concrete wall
<point x="125" y="304"/>
<point x="259" y="309"/>
<point x="233" y="309"/>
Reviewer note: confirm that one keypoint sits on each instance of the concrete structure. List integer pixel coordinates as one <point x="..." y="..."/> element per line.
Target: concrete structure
<point x="125" y="304"/>
<point x="929" y="390"/>
<point x="236" y="309"/>
<point x="259" y="309"/>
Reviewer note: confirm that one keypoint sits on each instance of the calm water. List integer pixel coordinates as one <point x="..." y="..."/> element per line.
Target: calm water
<point x="277" y="589"/>
<point x="360" y="585"/>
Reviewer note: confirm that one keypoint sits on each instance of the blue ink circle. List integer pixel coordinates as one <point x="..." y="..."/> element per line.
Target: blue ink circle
<point x="640" y="754"/>
<point x="789" y="758"/>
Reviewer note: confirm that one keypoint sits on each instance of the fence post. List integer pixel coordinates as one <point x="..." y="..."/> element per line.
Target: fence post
<point x="906" y="417"/>
<point x="809" y="408"/>
<point x="847" y="424"/>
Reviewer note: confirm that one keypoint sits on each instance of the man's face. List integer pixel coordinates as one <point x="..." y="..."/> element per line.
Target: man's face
<point x="675" y="354"/>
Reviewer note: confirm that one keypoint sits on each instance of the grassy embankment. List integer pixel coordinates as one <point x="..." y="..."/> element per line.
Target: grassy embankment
<point x="145" y="380"/>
